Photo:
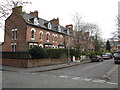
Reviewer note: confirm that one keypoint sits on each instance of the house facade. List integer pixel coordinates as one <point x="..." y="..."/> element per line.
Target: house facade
<point x="26" y="30"/>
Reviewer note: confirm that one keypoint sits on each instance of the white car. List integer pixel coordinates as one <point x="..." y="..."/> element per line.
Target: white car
<point x="107" y="56"/>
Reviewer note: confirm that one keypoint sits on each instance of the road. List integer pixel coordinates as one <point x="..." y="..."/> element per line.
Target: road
<point x="90" y="75"/>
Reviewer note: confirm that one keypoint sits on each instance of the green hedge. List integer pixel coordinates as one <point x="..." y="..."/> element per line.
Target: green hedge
<point x="55" y="53"/>
<point x="41" y="53"/>
<point x="37" y="53"/>
<point x="96" y="53"/>
<point x="59" y="53"/>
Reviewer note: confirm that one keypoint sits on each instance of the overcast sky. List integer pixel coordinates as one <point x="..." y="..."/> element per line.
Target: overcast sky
<point x="100" y="12"/>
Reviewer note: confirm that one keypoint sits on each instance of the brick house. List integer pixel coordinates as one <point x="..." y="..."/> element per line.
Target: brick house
<point x="25" y="30"/>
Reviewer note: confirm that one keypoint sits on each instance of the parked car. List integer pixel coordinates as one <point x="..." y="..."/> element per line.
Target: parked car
<point x="110" y="55"/>
<point x="117" y="58"/>
<point x="107" y="56"/>
<point x="96" y="58"/>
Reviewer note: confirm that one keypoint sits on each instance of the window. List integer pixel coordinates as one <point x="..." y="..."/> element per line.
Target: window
<point x="56" y="38"/>
<point x="14" y="34"/>
<point x="41" y="35"/>
<point x="47" y="36"/>
<point x="68" y="31"/>
<point x="41" y="45"/>
<point x="49" y="26"/>
<point x="13" y="47"/>
<point x="33" y="33"/>
<point x="53" y="37"/>
<point x="61" y="37"/>
<point x="31" y="45"/>
<point x="36" y="21"/>
<point x="59" y="29"/>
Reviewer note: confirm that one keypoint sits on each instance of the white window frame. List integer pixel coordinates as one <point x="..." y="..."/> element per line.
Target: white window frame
<point x="41" y="45"/>
<point x="59" y="29"/>
<point x="36" y="21"/>
<point x="41" y="33"/>
<point x="14" y="34"/>
<point x="33" y="38"/>
<point x="56" y="39"/>
<point x="48" y="33"/>
<point x="49" y="25"/>
<point x="61" y="38"/>
<point x="14" y="47"/>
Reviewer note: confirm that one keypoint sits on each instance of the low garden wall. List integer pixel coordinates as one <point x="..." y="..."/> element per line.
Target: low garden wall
<point x="36" y="57"/>
<point x="33" y="62"/>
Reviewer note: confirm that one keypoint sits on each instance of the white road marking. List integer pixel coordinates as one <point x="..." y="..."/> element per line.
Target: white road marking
<point x="112" y="83"/>
<point x="86" y="79"/>
<point x="99" y="81"/>
<point x="64" y="76"/>
<point x="76" y="78"/>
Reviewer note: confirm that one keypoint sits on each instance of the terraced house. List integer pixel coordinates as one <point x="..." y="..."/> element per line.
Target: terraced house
<point x="25" y="30"/>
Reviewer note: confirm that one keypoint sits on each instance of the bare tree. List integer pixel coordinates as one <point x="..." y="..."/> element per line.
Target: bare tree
<point x="6" y="9"/>
<point x="84" y="33"/>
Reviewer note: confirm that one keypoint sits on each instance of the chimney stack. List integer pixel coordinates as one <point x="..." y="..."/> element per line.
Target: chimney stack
<point x="35" y="13"/>
<point x="17" y="10"/>
<point x="70" y="26"/>
<point x="55" y="21"/>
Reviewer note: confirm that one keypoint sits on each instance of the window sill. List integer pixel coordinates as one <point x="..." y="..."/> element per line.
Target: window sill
<point x="32" y="39"/>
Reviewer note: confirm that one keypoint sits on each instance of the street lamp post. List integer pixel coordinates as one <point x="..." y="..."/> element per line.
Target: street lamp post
<point x="68" y="47"/>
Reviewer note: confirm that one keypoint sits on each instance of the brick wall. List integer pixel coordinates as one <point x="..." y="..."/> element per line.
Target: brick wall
<point x="32" y="63"/>
<point x="15" y="22"/>
<point x="37" y="36"/>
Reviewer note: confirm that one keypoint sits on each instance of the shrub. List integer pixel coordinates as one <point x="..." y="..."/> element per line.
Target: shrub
<point x="61" y="53"/>
<point x="38" y="53"/>
<point x="56" y="53"/>
<point x="74" y="53"/>
<point x="96" y="53"/>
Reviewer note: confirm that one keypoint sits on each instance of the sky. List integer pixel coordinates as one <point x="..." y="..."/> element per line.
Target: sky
<point x="100" y="12"/>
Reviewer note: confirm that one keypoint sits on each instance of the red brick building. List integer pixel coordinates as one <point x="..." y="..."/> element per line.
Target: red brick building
<point x="25" y="30"/>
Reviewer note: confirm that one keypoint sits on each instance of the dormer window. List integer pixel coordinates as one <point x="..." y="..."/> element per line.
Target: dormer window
<point x="49" y="26"/>
<point x="36" y="21"/>
<point x="68" y="31"/>
<point x="59" y="29"/>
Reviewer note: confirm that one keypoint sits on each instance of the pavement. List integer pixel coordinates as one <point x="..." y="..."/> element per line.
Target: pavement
<point x="43" y="68"/>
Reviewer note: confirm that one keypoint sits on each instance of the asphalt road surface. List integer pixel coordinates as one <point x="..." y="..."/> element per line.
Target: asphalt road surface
<point x="91" y="75"/>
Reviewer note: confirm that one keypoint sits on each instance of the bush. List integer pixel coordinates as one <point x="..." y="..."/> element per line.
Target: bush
<point x="38" y="53"/>
<point x="41" y="53"/>
<point x="96" y="53"/>
<point x="74" y="53"/>
<point x="61" y="53"/>
<point x="56" y="53"/>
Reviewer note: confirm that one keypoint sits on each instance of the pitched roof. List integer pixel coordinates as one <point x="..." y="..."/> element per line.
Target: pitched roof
<point x="29" y="19"/>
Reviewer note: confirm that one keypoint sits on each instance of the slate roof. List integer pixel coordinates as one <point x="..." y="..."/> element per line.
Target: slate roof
<point x="43" y="23"/>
